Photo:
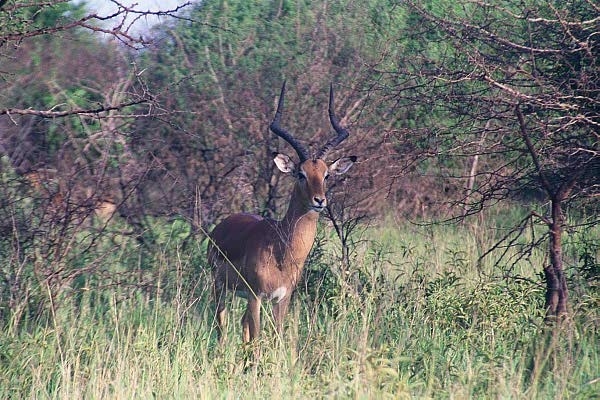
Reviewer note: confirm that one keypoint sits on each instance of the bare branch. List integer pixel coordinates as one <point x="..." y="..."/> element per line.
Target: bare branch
<point x="92" y="22"/>
<point x="77" y="111"/>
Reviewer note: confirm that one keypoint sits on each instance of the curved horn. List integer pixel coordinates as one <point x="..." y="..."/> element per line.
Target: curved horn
<point x="342" y="133"/>
<point x="282" y="133"/>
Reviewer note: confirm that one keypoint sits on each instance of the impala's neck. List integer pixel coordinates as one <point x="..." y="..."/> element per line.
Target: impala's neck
<point x="299" y="209"/>
<point x="298" y="228"/>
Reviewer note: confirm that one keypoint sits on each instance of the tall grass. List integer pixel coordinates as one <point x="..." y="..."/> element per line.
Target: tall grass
<point x="417" y="315"/>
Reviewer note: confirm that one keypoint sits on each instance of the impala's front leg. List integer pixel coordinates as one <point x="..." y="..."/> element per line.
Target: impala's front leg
<point x="279" y="312"/>
<point x="251" y="319"/>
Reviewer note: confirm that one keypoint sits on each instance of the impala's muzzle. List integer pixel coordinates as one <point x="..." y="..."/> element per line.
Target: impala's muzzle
<point x="318" y="203"/>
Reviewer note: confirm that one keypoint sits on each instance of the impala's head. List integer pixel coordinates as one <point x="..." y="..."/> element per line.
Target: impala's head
<point x="312" y="171"/>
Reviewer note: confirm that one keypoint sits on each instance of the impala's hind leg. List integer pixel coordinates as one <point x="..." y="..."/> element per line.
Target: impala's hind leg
<point x="219" y="291"/>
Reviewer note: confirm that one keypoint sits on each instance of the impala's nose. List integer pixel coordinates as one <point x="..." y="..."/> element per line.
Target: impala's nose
<point x="319" y="202"/>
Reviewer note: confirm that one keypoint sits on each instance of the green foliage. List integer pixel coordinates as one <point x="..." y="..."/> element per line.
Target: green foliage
<point x="55" y="254"/>
<point x="36" y="16"/>
<point x="96" y="309"/>
<point x="432" y="323"/>
<point x="583" y="258"/>
<point x="50" y="69"/>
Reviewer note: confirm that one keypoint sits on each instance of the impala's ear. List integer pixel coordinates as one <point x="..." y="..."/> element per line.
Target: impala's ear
<point x="284" y="163"/>
<point x="341" y="165"/>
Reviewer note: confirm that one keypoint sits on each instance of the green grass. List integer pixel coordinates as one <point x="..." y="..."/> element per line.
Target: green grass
<point x="415" y="316"/>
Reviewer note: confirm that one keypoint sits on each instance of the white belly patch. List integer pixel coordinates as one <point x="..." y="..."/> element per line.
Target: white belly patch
<point x="276" y="295"/>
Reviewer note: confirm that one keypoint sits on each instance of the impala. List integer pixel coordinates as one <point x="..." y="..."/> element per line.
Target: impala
<point x="262" y="259"/>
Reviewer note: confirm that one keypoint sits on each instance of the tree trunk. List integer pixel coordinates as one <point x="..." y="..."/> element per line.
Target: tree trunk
<point x="556" y="285"/>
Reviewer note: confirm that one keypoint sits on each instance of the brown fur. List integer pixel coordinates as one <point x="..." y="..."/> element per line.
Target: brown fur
<point x="264" y="258"/>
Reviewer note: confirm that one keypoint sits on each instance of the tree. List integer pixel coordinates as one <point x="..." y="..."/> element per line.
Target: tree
<point x="71" y="90"/>
<point x="68" y="102"/>
<point x="33" y="23"/>
<point x="227" y="66"/>
<point x="512" y="94"/>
